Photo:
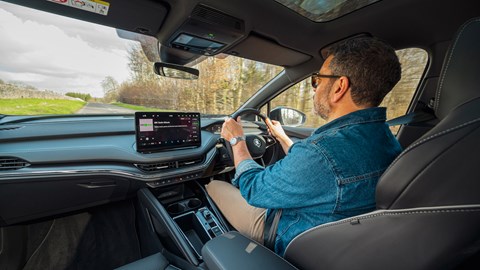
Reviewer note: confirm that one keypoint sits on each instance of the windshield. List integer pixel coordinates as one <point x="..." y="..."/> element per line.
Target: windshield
<point x="51" y="64"/>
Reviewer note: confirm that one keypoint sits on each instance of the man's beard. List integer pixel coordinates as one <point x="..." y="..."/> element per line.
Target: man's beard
<point x="322" y="108"/>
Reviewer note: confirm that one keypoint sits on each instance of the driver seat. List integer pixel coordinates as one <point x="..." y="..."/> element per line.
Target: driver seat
<point x="428" y="200"/>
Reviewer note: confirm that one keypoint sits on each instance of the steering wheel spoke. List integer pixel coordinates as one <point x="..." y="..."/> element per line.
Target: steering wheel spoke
<point x="269" y="140"/>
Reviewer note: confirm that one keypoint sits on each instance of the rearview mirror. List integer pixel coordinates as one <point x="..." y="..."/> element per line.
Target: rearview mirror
<point x="176" y="71"/>
<point x="288" y="116"/>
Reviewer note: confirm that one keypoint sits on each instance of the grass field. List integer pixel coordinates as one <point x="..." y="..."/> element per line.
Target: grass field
<point x="139" y="108"/>
<point x="33" y="106"/>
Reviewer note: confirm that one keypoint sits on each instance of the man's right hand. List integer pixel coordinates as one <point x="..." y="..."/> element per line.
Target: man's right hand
<point x="276" y="130"/>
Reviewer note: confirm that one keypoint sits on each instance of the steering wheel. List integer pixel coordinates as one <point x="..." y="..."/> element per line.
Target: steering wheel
<point x="256" y="144"/>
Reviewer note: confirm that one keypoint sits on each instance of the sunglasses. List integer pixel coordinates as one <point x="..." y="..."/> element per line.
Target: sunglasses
<point x="316" y="76"/>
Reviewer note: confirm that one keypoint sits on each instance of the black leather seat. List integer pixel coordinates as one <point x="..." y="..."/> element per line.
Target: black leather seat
<point x="428" y="200"/>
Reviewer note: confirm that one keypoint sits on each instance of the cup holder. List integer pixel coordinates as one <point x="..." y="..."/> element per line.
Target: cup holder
<point x="176" y="208"/>
<point x="194" y="203"/>
<point x="183" y="206"/>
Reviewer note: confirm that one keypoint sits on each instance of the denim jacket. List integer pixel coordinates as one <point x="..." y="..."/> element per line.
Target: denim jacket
<point x="328" y="176"/>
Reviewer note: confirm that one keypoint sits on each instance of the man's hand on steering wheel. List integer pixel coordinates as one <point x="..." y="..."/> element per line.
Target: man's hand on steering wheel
<point x="231" y="128"/>
<point x="251" y="146"/>
<point x="276" y="130"/>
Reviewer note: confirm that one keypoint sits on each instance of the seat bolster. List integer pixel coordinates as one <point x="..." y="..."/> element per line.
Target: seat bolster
<point x="442" y="161"/>
<point x="419" y="238"/>
<point x="459" y="78"/>
<point x="152" y="262"/>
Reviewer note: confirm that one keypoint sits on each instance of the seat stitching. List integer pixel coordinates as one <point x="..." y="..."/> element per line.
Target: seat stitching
<point x="437" y="104"/>
<point x="471" y="208"/>
<point x="432" y="137"/>
<point x="387" y="213"/>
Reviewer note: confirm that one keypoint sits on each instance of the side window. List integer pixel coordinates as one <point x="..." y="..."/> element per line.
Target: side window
<point x="299" y="97"/>
<point x="413" y="61"/>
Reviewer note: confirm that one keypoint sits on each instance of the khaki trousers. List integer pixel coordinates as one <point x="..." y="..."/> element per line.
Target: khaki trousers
<point x="246" y="219"/>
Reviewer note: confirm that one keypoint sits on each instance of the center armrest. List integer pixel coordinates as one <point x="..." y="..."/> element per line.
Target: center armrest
<point x="232" y="250"/>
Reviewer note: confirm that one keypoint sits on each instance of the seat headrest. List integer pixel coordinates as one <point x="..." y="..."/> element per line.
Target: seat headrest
<point x="460" y="77"/>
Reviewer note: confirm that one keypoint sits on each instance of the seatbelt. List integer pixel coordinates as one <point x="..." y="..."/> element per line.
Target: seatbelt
<point x="270" y="230"/>
<point x="412" y="118"/>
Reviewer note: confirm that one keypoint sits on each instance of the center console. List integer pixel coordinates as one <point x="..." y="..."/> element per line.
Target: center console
<point x="183" y="218"/>
<point x="198" y="227"/>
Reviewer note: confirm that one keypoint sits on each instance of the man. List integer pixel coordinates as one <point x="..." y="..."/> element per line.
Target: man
<point x="333" y="173"/>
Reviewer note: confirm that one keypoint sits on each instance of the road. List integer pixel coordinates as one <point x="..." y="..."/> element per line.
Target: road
<point x="101" y="108"/>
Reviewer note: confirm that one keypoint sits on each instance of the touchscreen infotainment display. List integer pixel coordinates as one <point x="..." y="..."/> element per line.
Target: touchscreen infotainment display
<point x="159" y="131"/>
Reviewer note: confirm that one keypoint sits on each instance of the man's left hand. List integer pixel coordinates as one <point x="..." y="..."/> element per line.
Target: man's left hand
<point x="231" y="129"/>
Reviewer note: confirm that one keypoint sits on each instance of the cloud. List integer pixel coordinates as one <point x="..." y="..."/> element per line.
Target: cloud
<point x="89" y="32"/>
<point x="57" y="53"/>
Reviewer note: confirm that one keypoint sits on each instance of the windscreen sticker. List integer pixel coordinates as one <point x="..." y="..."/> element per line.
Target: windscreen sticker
<point x="95" y="6"/>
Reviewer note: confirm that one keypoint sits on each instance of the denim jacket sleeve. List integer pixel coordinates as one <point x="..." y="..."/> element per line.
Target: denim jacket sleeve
<point x="244" y="166"/>
<point x="302" y="177"/>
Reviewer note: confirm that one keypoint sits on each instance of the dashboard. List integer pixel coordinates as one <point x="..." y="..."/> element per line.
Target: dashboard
<point x="51" y="165"/>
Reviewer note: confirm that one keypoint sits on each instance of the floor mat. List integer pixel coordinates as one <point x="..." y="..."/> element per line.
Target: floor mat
<point x="102" y="238"/>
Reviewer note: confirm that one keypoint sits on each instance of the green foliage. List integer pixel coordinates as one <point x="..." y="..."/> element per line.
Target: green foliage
<point x="32" y="106"/>
<point x="85" y="97"/>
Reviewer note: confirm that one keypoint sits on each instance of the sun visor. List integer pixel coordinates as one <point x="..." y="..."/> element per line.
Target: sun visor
<point x="260" y="49"/>
<point x="108" y="12"/>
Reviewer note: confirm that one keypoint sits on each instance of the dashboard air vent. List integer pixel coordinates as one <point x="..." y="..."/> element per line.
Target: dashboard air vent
<point x="157" y="167"/>
<point x="191" y="162"/>
<point x="11" y="163"/>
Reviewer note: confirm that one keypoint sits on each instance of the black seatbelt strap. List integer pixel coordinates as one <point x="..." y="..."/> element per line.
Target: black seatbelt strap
<point x="412" y="118"/>
<point x="270" y="230"/>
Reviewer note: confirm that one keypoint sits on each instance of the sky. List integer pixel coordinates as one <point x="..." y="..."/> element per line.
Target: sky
<point x="57" y="53"/>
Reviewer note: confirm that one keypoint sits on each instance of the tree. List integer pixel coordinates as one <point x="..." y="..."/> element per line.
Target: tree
<point x="223" y="85"/>
<point x="141" y="70"/>
<point x="109" y="84"/>
<point x="110" y="88"/>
